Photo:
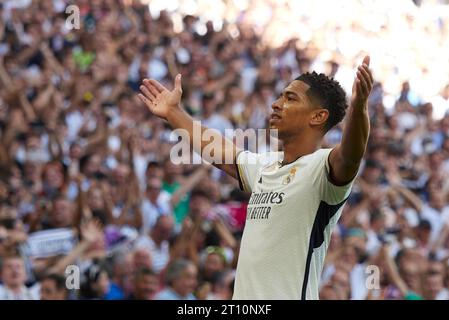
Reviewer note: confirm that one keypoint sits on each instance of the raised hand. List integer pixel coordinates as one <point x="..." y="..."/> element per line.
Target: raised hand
<point x="363" y="84"/>
<point x="158" y="99"/>
<point x="91" y="231"/>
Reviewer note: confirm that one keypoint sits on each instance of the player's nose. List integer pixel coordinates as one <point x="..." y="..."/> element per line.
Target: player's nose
<point x="277" y="104"/>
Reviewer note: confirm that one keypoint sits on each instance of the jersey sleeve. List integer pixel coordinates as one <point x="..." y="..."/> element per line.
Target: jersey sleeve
<point x="330" y="193"/>
<point x="249" y="165"/>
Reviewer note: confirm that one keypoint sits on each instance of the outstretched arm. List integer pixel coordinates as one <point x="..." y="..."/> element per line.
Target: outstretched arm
<point x="166" y="105"/>
<point x="345" y="158"/>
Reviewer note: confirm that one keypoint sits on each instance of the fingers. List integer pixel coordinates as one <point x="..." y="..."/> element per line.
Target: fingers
<point x="149" y="84"/>
<point x="366" y="60"/>
<point x="145" y="100"/>
<point x="358" y="86"/>
<point x="147" y="93"/>
<point x="369" y="73"/>
<point x="363" y="83"/>
<point x="365" y="65"/>
<point x="178" y="85"/>
<point x="156" y="85"/>
<point x="366" y="79"/>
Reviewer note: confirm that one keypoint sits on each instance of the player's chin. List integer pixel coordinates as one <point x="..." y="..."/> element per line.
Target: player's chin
<point x="274" y="123"/>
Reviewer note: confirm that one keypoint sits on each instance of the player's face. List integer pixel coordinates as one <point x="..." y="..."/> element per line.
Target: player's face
<point x="294" y="111"/>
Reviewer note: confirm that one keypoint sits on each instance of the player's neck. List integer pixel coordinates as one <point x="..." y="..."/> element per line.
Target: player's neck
<point x="295" y="148"/>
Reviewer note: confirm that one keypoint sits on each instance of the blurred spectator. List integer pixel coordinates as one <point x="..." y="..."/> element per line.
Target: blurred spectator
<point x="13" y="276"/>
<point x="155" y="204"/>
<point x="146" y="285"/>
<point x="156" y="242"/>
<point x="181" y="280"/>
<point x="53" y="287"/>
<point x="96" y="283"/>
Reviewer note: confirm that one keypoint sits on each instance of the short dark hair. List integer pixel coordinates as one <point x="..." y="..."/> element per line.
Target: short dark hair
<point x="12" y="254"/>
<point x="59" y="196"/>
<point x="152" y="165"/>
<point x="58" y="279"/>
<point x="175" y="270"/>
<point x="424" y="224"/>
<point x="83" y="161"/>
<point x="328" y="93"/>
<point x="200" y="192"/>
<point x="371" y="163"/>
<point x="144" y="271"/>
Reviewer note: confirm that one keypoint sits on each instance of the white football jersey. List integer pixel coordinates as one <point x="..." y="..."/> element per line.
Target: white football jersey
<point x="290" y="217"/>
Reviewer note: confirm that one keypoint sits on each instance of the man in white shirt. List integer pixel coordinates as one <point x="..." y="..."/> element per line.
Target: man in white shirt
<point x="155" y="204"/>
<point x="298" y="194"/>
<point x="13" y="276"/>
<point x="433" y="212"/>
<point x="157" y="242"/>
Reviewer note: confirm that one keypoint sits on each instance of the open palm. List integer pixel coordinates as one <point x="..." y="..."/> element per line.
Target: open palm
<point x="363" y="84"/>
<point x="91" y="231"/>
<point x="158" y="99"/>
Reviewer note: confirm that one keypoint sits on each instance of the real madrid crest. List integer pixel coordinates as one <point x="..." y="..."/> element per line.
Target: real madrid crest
<point x="290" y="176"/>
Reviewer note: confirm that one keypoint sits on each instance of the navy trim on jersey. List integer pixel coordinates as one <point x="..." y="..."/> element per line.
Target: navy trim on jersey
<point x="324" y="214"/>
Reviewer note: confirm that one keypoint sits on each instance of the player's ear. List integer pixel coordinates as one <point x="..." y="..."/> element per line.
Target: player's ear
<point x="319" y="117"/>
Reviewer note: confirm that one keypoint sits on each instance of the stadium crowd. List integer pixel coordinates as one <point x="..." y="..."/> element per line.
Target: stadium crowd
<point x="86" y="178"/>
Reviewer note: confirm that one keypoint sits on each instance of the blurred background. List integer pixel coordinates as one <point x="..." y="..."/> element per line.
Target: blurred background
<point x="85" y="177"/>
